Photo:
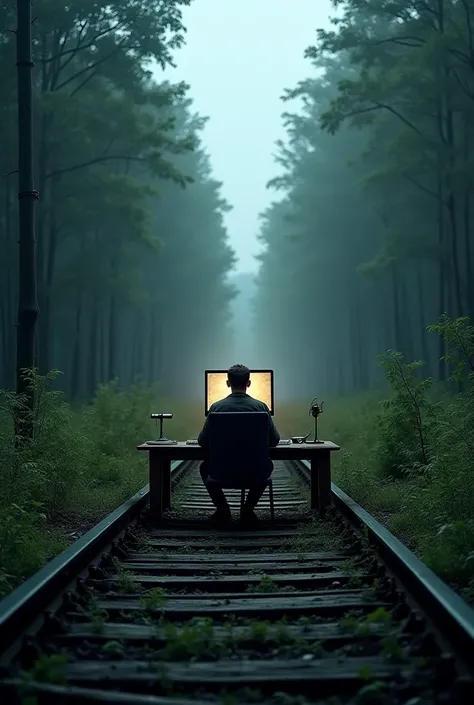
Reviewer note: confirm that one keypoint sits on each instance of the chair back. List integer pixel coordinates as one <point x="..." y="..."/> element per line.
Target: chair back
<point x="239" y="455"/>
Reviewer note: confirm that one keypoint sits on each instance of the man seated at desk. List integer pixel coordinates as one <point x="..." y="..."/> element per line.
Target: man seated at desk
<point x="238" y="379"/>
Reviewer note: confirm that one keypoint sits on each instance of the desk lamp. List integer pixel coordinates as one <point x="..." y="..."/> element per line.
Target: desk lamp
<point x="314" y="411"/>
<point x="162" y="440"/>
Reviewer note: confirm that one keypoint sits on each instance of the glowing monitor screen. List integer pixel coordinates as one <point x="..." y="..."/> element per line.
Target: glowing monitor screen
<point x="261" y="387"/>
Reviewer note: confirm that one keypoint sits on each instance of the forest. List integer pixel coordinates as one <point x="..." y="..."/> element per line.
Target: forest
<point x="132" y="254"/>
<point x="364" y="292"/>
<point x="370" y="238"/>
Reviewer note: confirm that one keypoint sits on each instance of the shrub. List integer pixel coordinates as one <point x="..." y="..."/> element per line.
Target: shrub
<point x="408" y="424"/>
<point x="78" y="466"/>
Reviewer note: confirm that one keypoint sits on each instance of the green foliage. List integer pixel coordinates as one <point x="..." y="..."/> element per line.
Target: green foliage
<point x="78" y="466"/>
<point x="372" y="693"/>
<point x="459" y="336"/>
<point x="114" y="648"/>
<point x="48" y="669"/>
<point x="265" y="584"/>
<point x="197" y="639"/>
<point x="408" y="422"/>
<point x="154" y="600"/>
<point x="19" y="527"/>
<point x="429" y="506"/>
<point x="126" y="582"/>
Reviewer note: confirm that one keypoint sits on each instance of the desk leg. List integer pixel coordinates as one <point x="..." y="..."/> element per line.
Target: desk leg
<point x="314" y="484"/>
<point x="166" y="479"/>
<point x="321" y="481"/>
<point x="156" y="486"/>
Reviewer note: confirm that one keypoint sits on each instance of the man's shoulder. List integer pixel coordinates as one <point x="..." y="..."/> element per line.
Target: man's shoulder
<point x="259" y="405"/>
<point x="231" y="403"/>
<point x="218" y="404"/>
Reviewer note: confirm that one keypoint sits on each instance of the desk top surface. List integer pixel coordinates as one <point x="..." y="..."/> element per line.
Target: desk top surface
<point x="293" y="448"/>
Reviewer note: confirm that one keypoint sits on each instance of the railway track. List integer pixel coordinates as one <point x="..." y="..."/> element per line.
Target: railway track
<point x="298" y="611"/>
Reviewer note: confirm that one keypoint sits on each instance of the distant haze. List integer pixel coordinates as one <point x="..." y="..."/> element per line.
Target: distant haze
<point x="244" y="349"/>
<point x="239" y="58"/>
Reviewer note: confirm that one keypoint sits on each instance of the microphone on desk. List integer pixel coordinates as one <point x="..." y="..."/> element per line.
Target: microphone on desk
<point x="162" y="440"/>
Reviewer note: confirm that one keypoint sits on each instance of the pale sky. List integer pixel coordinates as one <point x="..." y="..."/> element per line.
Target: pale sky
<point x="239" y="57"/>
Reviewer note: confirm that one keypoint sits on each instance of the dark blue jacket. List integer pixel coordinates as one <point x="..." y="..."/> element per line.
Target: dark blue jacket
<point x="240" y="401"/>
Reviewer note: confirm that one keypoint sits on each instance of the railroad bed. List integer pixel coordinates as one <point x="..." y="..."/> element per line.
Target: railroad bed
<point x="300" y="610"/>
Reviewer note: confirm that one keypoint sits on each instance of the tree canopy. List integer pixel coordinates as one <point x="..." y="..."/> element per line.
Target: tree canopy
<point x="132" y="250"/>
<point x="371" y="239"/>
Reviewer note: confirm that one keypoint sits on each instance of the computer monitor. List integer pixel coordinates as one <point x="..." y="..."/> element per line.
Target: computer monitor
<point x="215" y="387"/>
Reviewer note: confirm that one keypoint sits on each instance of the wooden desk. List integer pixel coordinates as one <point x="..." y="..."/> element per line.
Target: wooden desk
<point x="160" y="458"/>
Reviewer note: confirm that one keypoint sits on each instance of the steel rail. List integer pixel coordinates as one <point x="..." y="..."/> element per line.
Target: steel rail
<point x="450" y="614"/>
<point x="453" y="618"/>
<point x="22" y="607"/>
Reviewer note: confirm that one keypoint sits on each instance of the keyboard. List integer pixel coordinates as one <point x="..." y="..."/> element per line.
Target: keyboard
<point x="193" y="442"/>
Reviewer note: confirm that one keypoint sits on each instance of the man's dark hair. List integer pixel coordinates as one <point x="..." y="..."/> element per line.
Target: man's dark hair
<point x="238" y="376"/>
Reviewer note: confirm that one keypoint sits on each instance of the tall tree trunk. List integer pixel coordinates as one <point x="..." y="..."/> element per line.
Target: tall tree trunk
<point x="340" y="377"/>
<point x="50" y="248"/>
<point x="441" y="280"/>
<point x="397" y="321"/>
<point x="4" y="348"/>
<point x="135" y="348"/>
<point x="112" y="371"/>
<point x="11" y="282"/>
<point x="44" y="157"/>
<point x="468" y="254"/>
<point x="76" y="356"/>
<point x="406" y="322"/>
<point x="27" y="291"/>
<point x="421" y="318"/>
<point x="152" y="349"/>
<point x="158" y="372"/>
<point x="92" y="376"/>
<point x="353" y="348"/>
<point x="6" y="292"/>
<point x="457" y="301"/>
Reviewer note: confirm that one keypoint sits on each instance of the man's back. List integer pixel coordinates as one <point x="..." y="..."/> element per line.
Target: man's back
<point x="240" y="401"/>
<point x="238" y="379"/>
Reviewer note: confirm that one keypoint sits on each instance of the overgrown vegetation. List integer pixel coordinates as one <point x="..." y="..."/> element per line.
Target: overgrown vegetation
<point x="407" y="459"/>
<point x="79" y="466"/>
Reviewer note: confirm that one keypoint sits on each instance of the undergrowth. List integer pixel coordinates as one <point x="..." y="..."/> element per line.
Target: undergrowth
<point x="408" y="459"/>
<point x="80" y="465"/>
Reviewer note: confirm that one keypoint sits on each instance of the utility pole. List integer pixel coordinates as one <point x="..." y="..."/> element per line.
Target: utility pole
<point x="27" y="196"/>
